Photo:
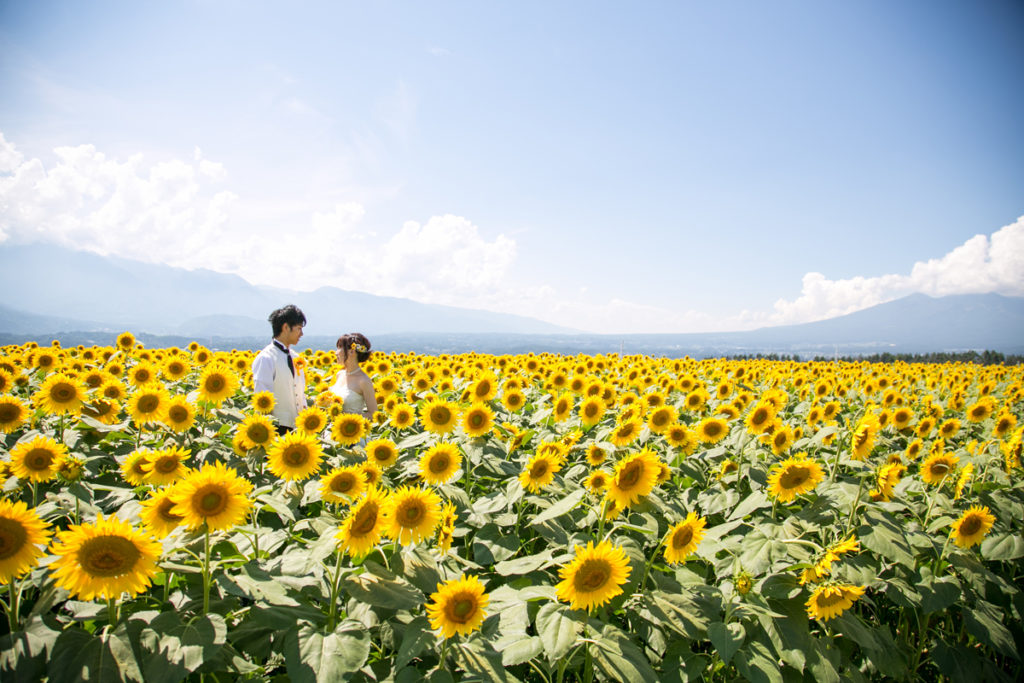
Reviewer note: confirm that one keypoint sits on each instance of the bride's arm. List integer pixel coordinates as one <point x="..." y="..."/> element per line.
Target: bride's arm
<point x="369" y="396"/>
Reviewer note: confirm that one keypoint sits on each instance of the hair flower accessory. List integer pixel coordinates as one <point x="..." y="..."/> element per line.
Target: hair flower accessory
<point x="358" y="347"/>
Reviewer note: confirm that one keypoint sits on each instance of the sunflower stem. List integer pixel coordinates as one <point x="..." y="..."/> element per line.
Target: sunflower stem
<point x="600" y="521"/>
<point x="332" y="609"/>
<point x="35" y="493"/>
<point x="206" y="571"/>
<point x="853" y="509"/>
<point x="14" y="607"/>
<point x="647" y="567"/>
<point x="112" y="612"/>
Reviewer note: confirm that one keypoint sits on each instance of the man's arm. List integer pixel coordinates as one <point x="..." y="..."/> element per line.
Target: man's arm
<point x="263" y="373"/>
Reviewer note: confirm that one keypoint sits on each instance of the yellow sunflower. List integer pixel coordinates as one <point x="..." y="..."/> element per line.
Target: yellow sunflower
<point x="142" y="374"/>
<point x="597" y="482"/>
<point x="794" y="476"/>
<point x="22" y="533"/>
<point x="403" y="416"/>
<point x="371" y="473"/>
<point x="972" y="526"/>
<point x="217" y="383"/>
<point x="782" y="439"/>
<point x="382" y="452"/>
<point x="294" y="456"/>
<point x="180" y="415"/>
<point x="1004" y="424"/>
<point x="364" y="525"/>
<point x="176" y="368"/>
<point x="342" y="484"/>
<point x="134" y="467"/>
<point x="411" y="514"/>
<point x="458" y="606"/>
<point x="661" y="419"/>
<point x="148" y="404"/>
<point x="165" y="466"/>
<point x="626" y="432"/>
<point x="963" y="480"/>
<point x="311" y="420"/>
<point x="828" y="601"/>
<point x="683" y="538"/>
<point x="484" y="388"/>
<point x="562" y="407"/>
<point x="13" y="413"/>
<point x="37" y="459"/>
<point x="539" y="472"/>
<point x="158" y="513"/>
<point x="60" y="394"/>
<point x="760" y="417"/>
<point x="214" y="495"/>
<point x="596" y="455"/>
<point x="949" y="428"/>
<point x="113" y="390"/>
<point x="102" y="410"/>
<point x="594" y="576"/>
<point x="679" y="436"/>
<point x="439" y="416"/>
<point x="478" y="420"/>
<point x="125" y="341"/>
<point x="105" y="559"/>
<point x="937" y="467"/>
<point x="591" y="411"/>
<point x="439" y="463"/>
<point x="634" y="478"/>
<point x="349" y="429"/>
<point x="513" y="400"/>
<point x="263" y="401"/>
<point x="712" y="430"/>
<point x="256" y="431"/>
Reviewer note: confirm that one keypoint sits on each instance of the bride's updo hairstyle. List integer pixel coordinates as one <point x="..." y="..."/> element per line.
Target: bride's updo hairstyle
<point x="355" y="342"/>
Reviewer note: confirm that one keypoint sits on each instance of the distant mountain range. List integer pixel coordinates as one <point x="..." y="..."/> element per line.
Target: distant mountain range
<point x="82" y="298"/>
<point x="77" y="290"/>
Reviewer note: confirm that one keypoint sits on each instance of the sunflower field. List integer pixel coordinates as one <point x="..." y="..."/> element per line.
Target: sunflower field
<point x="532" y="517"/>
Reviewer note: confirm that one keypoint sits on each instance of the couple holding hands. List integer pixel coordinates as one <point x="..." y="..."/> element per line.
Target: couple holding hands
<point x="275" y="370"/>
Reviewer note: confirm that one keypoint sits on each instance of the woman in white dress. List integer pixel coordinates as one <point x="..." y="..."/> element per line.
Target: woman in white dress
<point x="353" y="386"/>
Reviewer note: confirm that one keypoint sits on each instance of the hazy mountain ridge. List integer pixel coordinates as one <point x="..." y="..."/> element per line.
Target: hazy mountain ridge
<point x="81" y="298"/>
<point x="115" y="293"/>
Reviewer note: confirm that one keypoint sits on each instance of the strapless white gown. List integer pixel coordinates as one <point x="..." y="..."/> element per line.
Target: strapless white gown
<point x="352" y="401"/>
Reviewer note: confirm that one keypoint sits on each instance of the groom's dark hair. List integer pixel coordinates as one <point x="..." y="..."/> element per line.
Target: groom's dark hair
<point x="289" y="315"/>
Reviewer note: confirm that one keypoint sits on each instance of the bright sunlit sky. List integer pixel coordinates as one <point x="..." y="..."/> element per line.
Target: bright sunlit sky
<point x="609" y="166"/>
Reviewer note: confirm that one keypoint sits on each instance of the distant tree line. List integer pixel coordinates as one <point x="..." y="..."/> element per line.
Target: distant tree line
<point x="983" y="358"/>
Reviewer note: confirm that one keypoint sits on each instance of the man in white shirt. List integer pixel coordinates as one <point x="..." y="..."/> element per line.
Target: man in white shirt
<point x="274" y="367"/>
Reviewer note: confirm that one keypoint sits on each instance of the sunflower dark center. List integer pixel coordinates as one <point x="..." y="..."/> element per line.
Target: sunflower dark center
<point x="148" y="403"/>
<point x="9" y="412"/>
<point x="108" y="556"/>
<point x="343" y="483"/>
<point x="211" y="500"/>
<point x="215" y="383"/>
<point x="258" y="433"/>
<point x="971" y="525"/>
<point x="630" y="475"/>
<point x="12" y="537"/>
<point x="439" y="463"/>
<point x="39" y="459"/>
<point x="760" y="416"/>
<point x="165" y="510"/>
<point x="939" y="469"/>
<point x="63" y="392"/>
<point x="440" y="415"/>
<point x="682" y="537"/>
<point x="142" y="376"/>
<point x="296" y="455"/>
<point x="592" y="576"/>
<point x="713" y="429"/>
<point x="178" y="413"/>
<point x="829" y="599"/>
<point x="461" y="609"/>
<point x="166" y="465"/>
<point x="476" y="420"/>
<point x="411" y="514"/>
<point x="539" y="469"/>
<point x="793" y="477"/>
<point x="365" y="521"/>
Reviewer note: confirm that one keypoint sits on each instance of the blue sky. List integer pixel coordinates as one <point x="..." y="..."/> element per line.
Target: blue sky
<point x="657" y="166"/>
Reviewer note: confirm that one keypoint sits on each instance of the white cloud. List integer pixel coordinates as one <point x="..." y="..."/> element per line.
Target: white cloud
<point x="982" y="264"/>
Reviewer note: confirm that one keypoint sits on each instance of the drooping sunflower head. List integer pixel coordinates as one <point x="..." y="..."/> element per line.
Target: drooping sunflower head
<point x="439" y="463"/>
<point x="972" y="527"/>
<point x="294" y="456"/>
<point x="349" y="428"/>
<point x="634" y="478"/>
<point x="214" y="495"/>
<point x="105" y="559"/>
<point x="458" y="606"/>
<point x="793" y="477"/>
<point x="38" y="459"/>
<point x="831" y="600"/>
<point x="594" y="576"/>
<point x="683" y="538"/>
<point x="22" y="538"/>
